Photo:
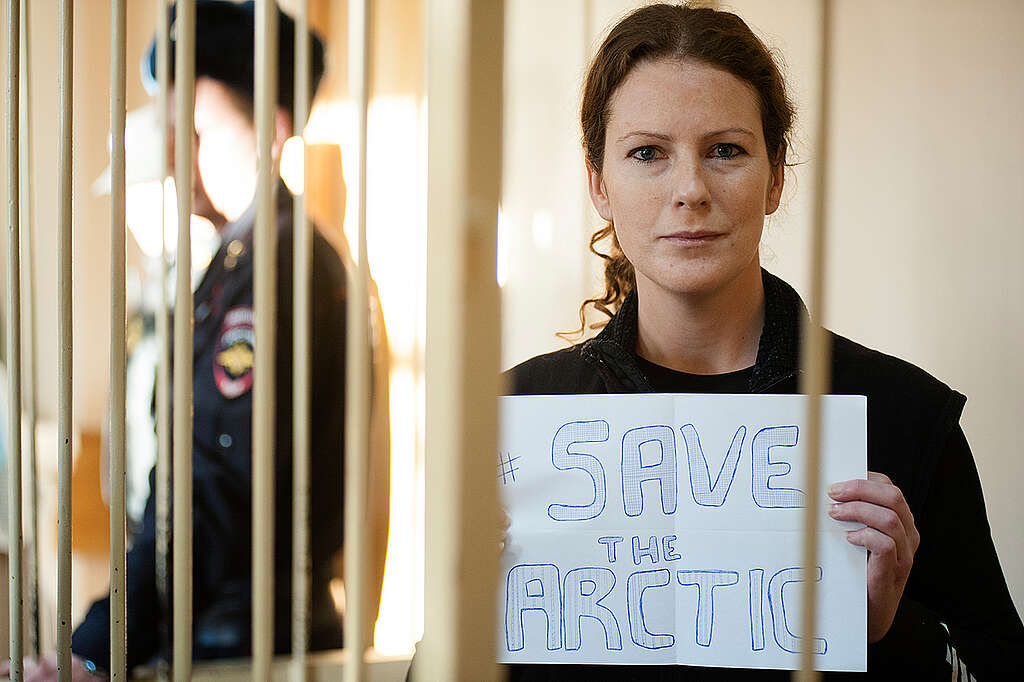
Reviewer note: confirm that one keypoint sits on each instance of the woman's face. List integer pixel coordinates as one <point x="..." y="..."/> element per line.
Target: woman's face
<point x="686" y="178"/>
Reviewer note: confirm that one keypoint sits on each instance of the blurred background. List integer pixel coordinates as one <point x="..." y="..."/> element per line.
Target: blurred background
<point x="927" y="159"/>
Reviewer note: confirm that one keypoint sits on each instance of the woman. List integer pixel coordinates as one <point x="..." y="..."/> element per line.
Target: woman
<point x="686" y="130"/>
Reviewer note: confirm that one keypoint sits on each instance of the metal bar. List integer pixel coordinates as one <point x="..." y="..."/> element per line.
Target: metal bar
<point x="163" y="324"/>
<point x="265" y="294"/>
<point x="464" y="43"/>
<point x="301" y="350"/>
<point x="587" y="209"/>
<point x="816" y="356"/>
<point x="65" y="334"/>
<point x="184" y="91"/>
<point x="14" y="341"/>
<point x="357" y="371"/>
<point x="116" y="454"/>
<point x="29" y="346"/>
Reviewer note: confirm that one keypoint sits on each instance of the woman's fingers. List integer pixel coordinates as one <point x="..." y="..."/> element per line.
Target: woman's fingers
<point x="901" y="507"/>
<point x="879" y="476"/>
<point x="880" y="545"/>
<point x="878" y="490"/>
<point x="889" y="533"/>
<point x="878" y="518"/>
<point x="868" y="489"/>
<point x="505" y="523"/>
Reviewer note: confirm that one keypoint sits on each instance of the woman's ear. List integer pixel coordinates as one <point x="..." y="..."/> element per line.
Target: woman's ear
<point x="774" y="195"/>
<point x="598" y="193"/>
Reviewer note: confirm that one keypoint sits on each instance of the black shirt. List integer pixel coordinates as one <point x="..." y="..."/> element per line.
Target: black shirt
<point x="665" y="380"/>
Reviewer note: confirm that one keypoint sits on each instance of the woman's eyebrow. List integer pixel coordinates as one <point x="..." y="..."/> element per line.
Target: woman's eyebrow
<point x="669" y="138"/>
<point x="724" y="131"/>
<point x="645" y="133"/>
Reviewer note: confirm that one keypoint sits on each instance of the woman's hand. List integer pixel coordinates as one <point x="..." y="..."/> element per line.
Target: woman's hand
<point x="889" y="535"/>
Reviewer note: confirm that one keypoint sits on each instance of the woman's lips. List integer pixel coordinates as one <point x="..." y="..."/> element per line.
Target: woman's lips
<point x="693" y="238"/>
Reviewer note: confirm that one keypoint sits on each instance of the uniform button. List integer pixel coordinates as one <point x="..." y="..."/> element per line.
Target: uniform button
<point x="236" y="248"/>
<point x="224" y="440"/>
<point x="202" y="311"/>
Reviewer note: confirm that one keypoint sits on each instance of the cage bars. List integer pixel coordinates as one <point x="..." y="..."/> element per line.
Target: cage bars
<point x="301" y="327"/>
<point x="816" y="357"/>
<point x="14" y="490"/>
<point x="464" y="80"/>
<point x="357" y="368"/>
<point x="181" y="475"/>
<point x="65" y="333"/>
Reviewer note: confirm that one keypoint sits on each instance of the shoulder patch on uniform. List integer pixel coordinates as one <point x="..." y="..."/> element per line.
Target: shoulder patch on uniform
<point x="233" y="354"/>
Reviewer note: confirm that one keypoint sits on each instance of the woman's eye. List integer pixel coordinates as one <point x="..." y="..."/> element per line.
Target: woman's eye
<point x="725" y="150"/>
<point x="645" y="154"/>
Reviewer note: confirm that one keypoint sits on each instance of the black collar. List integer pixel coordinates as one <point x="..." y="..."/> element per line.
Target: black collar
<point x="778" y="350"/>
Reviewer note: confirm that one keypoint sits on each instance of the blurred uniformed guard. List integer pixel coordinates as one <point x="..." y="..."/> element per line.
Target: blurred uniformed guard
<point x="223" y="376"/>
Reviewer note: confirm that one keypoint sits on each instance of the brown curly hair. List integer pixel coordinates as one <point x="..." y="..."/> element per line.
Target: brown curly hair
<point x="679" y="32"/>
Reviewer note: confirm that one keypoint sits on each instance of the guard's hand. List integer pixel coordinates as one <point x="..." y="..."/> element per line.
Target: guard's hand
<point x="889" y="535"/>
<point x="45" y="670"/>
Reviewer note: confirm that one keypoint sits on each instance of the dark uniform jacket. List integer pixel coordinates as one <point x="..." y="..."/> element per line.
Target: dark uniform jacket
<point x="956" y="611"/>
<point x="222" y="465"/>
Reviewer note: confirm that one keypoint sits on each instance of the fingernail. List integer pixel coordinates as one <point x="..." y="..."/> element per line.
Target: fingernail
<point x="834" y="489"/>
<point x="833" y="510"/>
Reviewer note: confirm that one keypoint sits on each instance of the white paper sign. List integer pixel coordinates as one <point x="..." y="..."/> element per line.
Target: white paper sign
<point x="666" y="529"/>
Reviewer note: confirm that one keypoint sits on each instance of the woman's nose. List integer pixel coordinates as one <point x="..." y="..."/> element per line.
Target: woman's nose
<point x="691" y="189"/>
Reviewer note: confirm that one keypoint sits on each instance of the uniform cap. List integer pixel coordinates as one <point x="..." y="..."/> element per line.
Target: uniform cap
<point x="225" y="49"/>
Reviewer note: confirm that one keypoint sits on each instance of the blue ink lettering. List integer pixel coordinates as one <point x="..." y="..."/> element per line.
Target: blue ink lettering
<point x="704" y="493"/>
<point x="765" y="468"/>
<point x="609" y="541"/>
<point x="585" y="589"/>
<point x="635" y="473"/>
<point x="650" y="551"/>
<point x="636" y="585"/>
<point x="564" y="459"/>
<point x="784" y="637"/>
<point x="533" y="587"/>
<point x="706" y="582"/>
<point x="668" y="549"/>
<point x="757" y="609"/>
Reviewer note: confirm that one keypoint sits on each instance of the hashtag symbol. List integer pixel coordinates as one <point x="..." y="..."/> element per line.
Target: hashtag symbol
<point x="506" y="467"/>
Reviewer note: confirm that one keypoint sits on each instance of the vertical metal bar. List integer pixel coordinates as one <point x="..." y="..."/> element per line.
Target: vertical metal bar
<point x="265" y="293"/>
<point x="116" y="455"/>
<point x="301" y="348"/>
<point x="465" y="53"/>
<point x="184" y="92"/>
<point x="163" y="324"/>
<point x="357" y="370"/>
<point x="14" y="341"/>
<point x="816" y="355"/>
<point x="587" y="209"/>
<point x="65" y="333"/>
<point x="29" y="312"/>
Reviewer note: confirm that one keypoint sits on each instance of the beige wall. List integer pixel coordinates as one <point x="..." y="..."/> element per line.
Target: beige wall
<point x="926" y="164"/>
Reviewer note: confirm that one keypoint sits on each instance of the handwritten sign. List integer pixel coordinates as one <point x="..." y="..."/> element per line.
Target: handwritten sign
<point x="666" y="529"/>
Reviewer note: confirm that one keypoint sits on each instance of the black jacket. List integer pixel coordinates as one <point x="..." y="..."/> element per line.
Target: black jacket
<point x="222" y="461"/>
<point x="950" y="611"/>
